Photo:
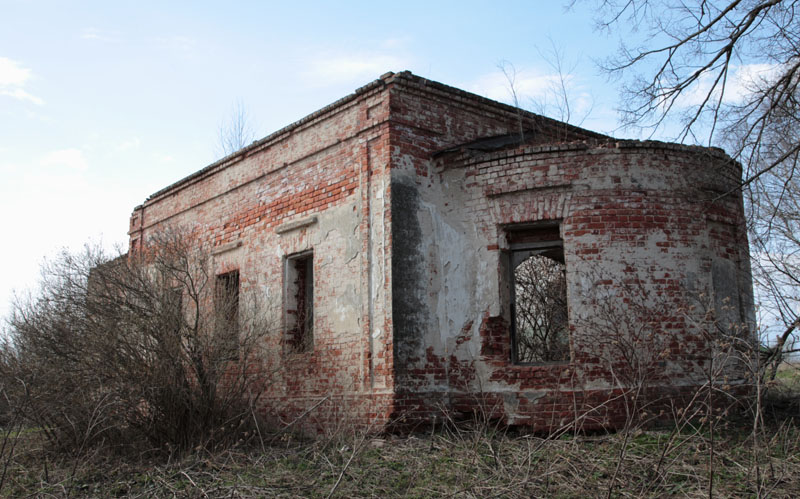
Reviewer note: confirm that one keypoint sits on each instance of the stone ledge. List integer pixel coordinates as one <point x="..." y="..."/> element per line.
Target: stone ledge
<point x="297" y="224"/>
<point x="223" y="248"/>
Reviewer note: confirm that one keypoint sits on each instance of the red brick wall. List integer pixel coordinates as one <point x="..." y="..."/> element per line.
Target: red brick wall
<point x="332" y="166"/>
<point x="641" y="228"/>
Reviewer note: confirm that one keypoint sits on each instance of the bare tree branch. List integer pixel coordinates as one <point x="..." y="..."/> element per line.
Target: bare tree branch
<point x="727" y="72"/>
<point x="235" y="132"/>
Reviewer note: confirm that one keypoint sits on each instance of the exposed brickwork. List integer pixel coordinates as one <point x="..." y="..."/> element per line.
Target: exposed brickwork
<point x="405" y="209"/>
<point x="641" y="225"/>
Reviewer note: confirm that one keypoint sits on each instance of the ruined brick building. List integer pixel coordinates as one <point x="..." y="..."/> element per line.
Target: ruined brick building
<point x="398" y="226"/>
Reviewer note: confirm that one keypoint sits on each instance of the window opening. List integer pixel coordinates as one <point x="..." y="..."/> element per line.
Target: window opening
<point x="299" y="311"/>
<point x="173" y="308"/>
<point x="227" y="308"/>
<point x="540" y="326"/>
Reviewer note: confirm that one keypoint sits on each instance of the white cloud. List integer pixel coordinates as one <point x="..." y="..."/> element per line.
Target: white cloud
<point x="101" y="35"/>
<point x="747" y="77"/>
<point x="58" y="191"/>
<point x="65" y="205"/>
<point x="395" y="43"/>
<point x="527" y="83"/>
<point x="164" y="158"/>
<point x="12" y="78"/>
<point x="353" y="68"/>
<point x="538" y="91"/>
<point x="12" y="74"/>
<point x="10" y="168"/>
<point x="126" y="145"/>
<point x="19" y="94"/>
<point x="72" y="159"/>
<point x="742" y="80"/>
<point x="177" y="43"/>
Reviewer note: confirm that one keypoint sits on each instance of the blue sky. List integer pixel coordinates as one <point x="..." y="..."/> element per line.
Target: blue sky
<point x="103" y="103"/>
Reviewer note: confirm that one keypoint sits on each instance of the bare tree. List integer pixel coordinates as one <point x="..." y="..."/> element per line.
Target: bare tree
<point x="728" y="73"/>
<point x="133" y="344"/>
<point x="554" y="99"/>
<point x="510" y="73"/>
<point x="558" y="100"/>
<point x="775" y="242"/>
<point x="236" y="131"/>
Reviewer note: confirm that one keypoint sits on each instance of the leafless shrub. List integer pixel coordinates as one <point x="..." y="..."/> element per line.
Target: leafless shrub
<point x="133" y="346"/>
<point x="626" y="330"/>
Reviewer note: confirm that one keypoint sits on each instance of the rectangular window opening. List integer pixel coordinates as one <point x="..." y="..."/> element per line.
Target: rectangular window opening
<point x="173" y="309"/>
<point x="227" y="313"/>
<point x="299" y="307"/>
<point x="538" y="290"/>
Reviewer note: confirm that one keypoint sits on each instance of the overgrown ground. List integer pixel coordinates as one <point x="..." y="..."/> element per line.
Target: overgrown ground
<point x="463" y="461"/>
<point x="431" y="466"/>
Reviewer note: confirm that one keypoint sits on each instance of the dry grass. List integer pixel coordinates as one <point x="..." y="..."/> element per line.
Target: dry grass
<point x="466" y="460"/>
<point x="466" y="463"/>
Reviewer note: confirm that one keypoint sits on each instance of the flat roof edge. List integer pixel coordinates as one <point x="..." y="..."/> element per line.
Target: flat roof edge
<point x="466" y="155"/>
<point x="403" y="78"/>
<point x="485" y="101"/>
<point x="245" y="151"/>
